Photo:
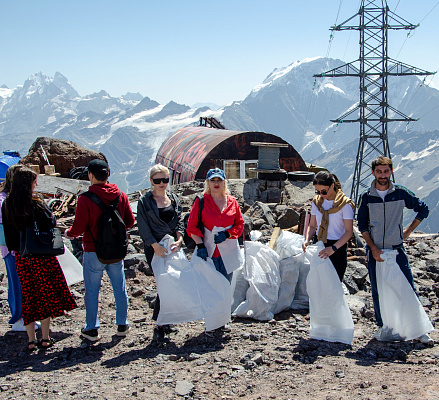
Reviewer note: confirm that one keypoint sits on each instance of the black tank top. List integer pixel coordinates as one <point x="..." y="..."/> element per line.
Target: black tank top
<point x="167" y="213"/>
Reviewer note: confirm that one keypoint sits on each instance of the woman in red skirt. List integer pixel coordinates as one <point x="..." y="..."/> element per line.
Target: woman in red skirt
<point x="44" y="288"/>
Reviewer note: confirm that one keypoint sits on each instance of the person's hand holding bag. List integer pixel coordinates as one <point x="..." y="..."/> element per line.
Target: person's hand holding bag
<point x="221" y="237"/>
<point x="202" y="251"/>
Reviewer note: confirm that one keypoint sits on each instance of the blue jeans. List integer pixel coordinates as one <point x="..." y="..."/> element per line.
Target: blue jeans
<point x="403" y="262"/>
<point x="221" y="268"/>
<point x="14" y="289"/>
<point x="93" y="271"/>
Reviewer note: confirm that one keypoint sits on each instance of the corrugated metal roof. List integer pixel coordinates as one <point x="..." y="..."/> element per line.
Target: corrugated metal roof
<point x="185" y="150"/>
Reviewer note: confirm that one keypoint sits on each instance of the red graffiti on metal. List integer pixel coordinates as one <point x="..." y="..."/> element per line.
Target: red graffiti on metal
<point x="185" y="150"/>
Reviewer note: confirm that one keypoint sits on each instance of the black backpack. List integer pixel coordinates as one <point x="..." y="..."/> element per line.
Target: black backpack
<point x="188" y="241"/>
<point x="112" y="242"/>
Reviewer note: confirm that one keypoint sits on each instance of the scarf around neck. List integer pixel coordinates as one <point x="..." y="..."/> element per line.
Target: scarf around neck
<point x="339" y="202"/>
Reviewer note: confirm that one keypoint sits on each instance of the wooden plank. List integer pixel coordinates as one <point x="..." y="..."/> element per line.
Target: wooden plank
<point x="274" y="236"/>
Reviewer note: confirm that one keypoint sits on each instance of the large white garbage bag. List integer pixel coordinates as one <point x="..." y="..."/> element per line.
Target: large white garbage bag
<point x="301" y="299"/>
<point x="289" y="244"/>
<point x="403" y="316"/>
<point x="262" y="273"/>
<point x="330" y="317"/>
<point x="176" y="286"/>
<point x="239" y="286"/>
<point x="214" y="291"/>
<point x="289" y="274"/>
<point x="71" y="267"/>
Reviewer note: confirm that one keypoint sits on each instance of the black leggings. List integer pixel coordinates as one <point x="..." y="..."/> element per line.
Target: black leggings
<point x="339" y="259"/>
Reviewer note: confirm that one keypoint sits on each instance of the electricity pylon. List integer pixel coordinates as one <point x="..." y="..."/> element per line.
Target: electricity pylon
<point x="373" y="68"/>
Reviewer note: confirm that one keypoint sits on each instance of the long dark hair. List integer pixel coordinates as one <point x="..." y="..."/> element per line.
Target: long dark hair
<point x="325" y="178"/>
<point x="20" y="199"/>
<point x="9" y="174"/>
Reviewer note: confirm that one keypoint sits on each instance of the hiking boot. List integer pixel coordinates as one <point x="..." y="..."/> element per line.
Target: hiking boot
<point x="377" y="334"/>
<point x="122" y="330"/>
<point x="170" y="329"/>
<point x="91" y="334"/>
<point x="226" y="328"/>
<point x="426" y="339"/>
<point x="159" y="334"/>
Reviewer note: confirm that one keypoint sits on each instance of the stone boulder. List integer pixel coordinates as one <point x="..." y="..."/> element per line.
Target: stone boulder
<point x="63" y="154"/>
<point x="355" y="276"/>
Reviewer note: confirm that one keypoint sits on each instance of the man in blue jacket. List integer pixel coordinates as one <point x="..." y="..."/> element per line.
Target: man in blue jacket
<point x="380" y="221"/>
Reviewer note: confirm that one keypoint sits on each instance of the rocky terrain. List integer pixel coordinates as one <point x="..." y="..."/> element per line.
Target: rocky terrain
<point x="273" y="359"/>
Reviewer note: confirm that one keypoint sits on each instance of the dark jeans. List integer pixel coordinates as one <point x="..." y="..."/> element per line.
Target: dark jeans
<point x="339" y="259"/>
<point x="403" y="262"/>
<point x="220" y="267"/>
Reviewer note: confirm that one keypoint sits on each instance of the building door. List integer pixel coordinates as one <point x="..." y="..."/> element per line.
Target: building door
<point x="240" y="169"/>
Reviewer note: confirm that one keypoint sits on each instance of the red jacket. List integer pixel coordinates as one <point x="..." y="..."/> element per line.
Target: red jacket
<point x="87" y="213"/>
<point x="212" y="216"/>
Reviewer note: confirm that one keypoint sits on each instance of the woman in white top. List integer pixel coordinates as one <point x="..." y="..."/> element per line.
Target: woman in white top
<point x="332" y="215"/>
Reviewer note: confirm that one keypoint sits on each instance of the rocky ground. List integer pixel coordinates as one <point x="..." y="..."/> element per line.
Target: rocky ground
<point x="257" y="360"/>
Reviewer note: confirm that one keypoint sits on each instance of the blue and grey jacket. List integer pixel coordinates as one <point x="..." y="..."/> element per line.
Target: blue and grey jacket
<point x="383" y="219"/>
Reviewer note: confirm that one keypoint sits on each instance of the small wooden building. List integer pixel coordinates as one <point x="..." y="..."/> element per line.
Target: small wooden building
<point x="190" y="152"/>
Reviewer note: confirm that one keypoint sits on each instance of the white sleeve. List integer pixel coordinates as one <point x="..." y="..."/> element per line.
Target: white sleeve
<point x="348" y="212"/>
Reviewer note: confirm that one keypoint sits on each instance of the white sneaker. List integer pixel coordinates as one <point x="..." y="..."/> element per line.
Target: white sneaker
<point x="19" y="326"/>
<point x="377" y="334"/>
<point x="226" y="328"/>
<point x="426" y="339"/>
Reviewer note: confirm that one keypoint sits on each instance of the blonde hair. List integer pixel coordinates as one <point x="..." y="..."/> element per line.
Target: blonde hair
<point x="156" y="169"/>
<point x="207" y="188"/>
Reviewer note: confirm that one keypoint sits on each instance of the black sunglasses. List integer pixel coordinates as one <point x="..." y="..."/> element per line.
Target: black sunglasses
<point x="323" y="192"/>
<point x="158" y="180"/>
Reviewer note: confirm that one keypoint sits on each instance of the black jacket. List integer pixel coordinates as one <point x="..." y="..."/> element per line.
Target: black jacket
<point x="43" y="217"/>
<point x="151" y="227"/>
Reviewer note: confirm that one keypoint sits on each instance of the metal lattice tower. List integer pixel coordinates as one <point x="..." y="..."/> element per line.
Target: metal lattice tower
<point x="373" y="68"/>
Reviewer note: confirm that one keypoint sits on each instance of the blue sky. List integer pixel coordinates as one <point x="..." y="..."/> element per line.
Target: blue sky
<point x="190" y="51"/>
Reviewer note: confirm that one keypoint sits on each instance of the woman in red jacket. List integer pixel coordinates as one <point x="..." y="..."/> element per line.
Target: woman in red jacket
<point x="223" y="224"/>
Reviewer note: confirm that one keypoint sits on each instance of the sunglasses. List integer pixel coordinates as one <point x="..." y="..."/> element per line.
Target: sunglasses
<point x="158" y="180"/>
<point x="322" y="192"/>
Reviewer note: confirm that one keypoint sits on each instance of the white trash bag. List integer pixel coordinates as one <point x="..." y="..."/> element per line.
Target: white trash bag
<point x="214" y="292"/>
<point x="289" y="274"/>
<point x="403" y="316"/>
<point x="262" y="273"/>
<point x="330" y="317"/>
<point x="301" y="299"/>
<point x="71" y="267"/>
<point x="289" y="244"/>
<point x="179" y="299"/>
<point x="239" y="286"/>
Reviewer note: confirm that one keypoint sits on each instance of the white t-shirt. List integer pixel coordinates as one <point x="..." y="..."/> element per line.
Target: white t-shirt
<point x="336" y="227"/>
<point x="382" y="193"/>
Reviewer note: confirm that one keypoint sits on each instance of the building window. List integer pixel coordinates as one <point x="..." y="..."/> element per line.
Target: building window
<point x="240" y="169"/>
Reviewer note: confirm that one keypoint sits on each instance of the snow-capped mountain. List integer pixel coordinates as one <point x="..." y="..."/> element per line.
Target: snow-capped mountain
<point x="289" y="103"/>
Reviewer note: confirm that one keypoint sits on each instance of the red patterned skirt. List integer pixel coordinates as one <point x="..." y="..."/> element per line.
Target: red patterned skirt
<point x="44" y="288"/>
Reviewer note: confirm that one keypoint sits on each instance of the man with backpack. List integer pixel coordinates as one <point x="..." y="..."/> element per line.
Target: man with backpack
<point x="102" y="216"/>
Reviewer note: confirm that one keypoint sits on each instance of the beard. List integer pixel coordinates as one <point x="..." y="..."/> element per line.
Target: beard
<point x="383" y="181"/>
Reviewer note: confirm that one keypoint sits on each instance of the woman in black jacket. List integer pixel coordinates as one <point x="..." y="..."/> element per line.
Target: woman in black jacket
<point x="159" y="214"/>
<point x="45" y="293"/>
